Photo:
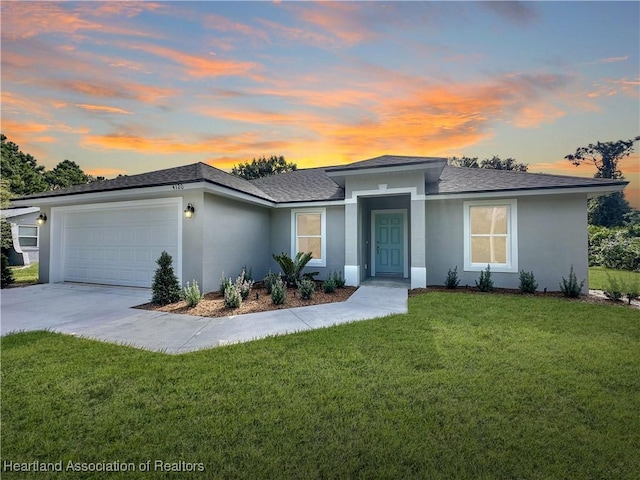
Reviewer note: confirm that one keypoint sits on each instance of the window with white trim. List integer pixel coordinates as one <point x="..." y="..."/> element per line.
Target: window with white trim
<point x="490" y="235"/>
<point x="308" y="227"/>
<point x="28" y="235"/>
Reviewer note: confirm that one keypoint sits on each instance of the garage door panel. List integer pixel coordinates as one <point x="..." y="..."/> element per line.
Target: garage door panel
<point x="118" y="246"/>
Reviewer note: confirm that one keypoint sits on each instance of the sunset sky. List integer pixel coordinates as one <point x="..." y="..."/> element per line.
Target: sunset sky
<point x="129" y="87"/>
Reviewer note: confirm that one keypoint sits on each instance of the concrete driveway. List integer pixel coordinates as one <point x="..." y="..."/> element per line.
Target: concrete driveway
<point x="104" y="313"/>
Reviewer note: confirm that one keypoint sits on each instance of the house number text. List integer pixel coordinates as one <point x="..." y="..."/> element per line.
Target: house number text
<point x="178" y="186"/>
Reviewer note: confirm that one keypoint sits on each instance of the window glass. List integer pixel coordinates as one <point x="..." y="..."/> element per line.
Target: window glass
<point x="309" y="224"/>
<point x="489" y="250"/>
<point x="28" y="231"/>
<point x="27" y="236"/>
<point x="491" y="235"/>
<point x="488" y="220"/>
<point x="311" y="244"/>
<point x="308" y="235"/>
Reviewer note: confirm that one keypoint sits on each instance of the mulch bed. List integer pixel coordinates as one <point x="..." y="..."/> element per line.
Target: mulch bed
<point x="212" y="305"/>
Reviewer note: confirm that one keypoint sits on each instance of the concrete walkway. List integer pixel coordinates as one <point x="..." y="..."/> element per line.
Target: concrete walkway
<point x="104" y="313"/>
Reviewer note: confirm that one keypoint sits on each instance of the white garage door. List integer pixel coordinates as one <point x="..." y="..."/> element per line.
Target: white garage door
<point x="119" y="246"/>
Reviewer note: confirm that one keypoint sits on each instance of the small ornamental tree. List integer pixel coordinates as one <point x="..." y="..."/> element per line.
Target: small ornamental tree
<point x="7" y="274"/>
<point x="166" y="288"/>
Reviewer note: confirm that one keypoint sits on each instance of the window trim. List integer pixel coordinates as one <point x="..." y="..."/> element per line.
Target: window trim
<point x="512" y="236"/>
<point x="317" y="262"/>
<point x="37" y="236"/>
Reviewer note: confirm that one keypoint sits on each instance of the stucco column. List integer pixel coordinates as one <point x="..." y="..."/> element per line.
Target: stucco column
<point x="351" y="262"/>
<point x="418" y="245"/>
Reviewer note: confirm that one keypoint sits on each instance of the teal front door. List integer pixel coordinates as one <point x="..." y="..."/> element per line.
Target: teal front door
<point x="389" y="246"/>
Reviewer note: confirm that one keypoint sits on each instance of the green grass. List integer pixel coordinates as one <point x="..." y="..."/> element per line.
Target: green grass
<point x="598" y="277"/>
<point x="26" y="275"/>
<point x="463" y="386"/>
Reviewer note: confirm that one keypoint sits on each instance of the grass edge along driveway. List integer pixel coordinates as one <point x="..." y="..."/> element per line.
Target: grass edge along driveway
<point x="463" y="386"/>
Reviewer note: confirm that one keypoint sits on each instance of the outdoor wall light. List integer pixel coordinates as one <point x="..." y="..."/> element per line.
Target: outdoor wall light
<point x="42" y="218"/>
<point x="189" y="211"/>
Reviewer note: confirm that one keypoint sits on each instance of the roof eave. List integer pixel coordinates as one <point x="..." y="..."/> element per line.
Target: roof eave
<point x="590" y="191"/>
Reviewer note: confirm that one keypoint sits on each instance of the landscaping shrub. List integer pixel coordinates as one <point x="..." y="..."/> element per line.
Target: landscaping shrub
<point x="338" y="279"/>
<point x="269" y="280"/>
<point x="247" y="273"/>
<point x="329" y="285"/>
<point x="614" y="290"/>
<point x="232" y="297"/>
<point x="224" y="283"/>
<point x="7" y="274"/>
<point x="528" y="282"/>
<point x="191" y="294"/>
<point x="307" y="288"/>
<point x="617" y="248"/>
<point x="452" y="281"/>
<point x="632" y="292"/>
<point x="292" y="268"/>
<point x="484" y="283"/>
<point x="278" y="292"/>
<point x="165" y="287"/>
<point x="571" y="288"/>
<point x="244" y="286"/>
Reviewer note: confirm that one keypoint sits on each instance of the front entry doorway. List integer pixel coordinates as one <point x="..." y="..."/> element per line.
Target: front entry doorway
<point x="389" y="252"/>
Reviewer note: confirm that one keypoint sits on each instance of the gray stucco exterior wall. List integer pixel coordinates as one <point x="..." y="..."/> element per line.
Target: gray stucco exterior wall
<point x="552" y="236"/>
<point x="44" y="253"/>
<point x="335" y="226"/>
<point x="235" y="234"/>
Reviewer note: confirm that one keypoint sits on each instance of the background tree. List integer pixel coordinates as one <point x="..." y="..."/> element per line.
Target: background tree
<point x="605" y="156"/>
<point x="468" y="162"/>
<point x="263" y="167"/>
<point x="495" y="163"/>
<point x="66" y="174"/>
<point x="21" y="171"/>
<point x="6" y="275"/>
<point x="5" y="228"/>
<point x="608" y="210"/>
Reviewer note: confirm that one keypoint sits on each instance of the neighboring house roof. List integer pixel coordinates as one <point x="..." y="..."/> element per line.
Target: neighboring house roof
<point x="306" y="185"/>
<point x="318" y="184"/>
<point x="476" y="180"/>
<point x="18" y="211"/>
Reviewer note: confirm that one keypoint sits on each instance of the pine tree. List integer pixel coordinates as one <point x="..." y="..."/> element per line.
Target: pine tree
<point x="166" y="288"/>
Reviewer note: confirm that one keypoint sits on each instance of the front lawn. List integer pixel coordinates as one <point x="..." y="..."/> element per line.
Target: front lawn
<point x="598" y="277"/>
<point x="26" y="275"/>
<point x="463" y="386"/>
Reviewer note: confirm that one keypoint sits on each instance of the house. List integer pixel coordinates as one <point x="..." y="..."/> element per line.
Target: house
<point x="25" y="234"/>
<point x="395" y="216"/>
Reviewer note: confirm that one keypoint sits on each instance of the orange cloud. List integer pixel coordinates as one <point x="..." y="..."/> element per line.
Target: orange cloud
<point x="104" y="172"/>
<point x="102" y="109"/>
<point x="197" y="65"/>
<point x="22" y="20"/>
<point x="339" y="19"/>
<point x="114" y="89"/>
<point x="172" y="144"/>
<point x="535" y="115"/>
<point x="223" y="24"/>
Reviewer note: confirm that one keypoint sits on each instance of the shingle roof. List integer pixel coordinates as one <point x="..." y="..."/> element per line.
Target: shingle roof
<point x="385" y="161"/>
<point x="306" y="185"/>
<point x="196" y="172"/>
<point x="476" y="180"/>
<point x="314" y="184"/>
